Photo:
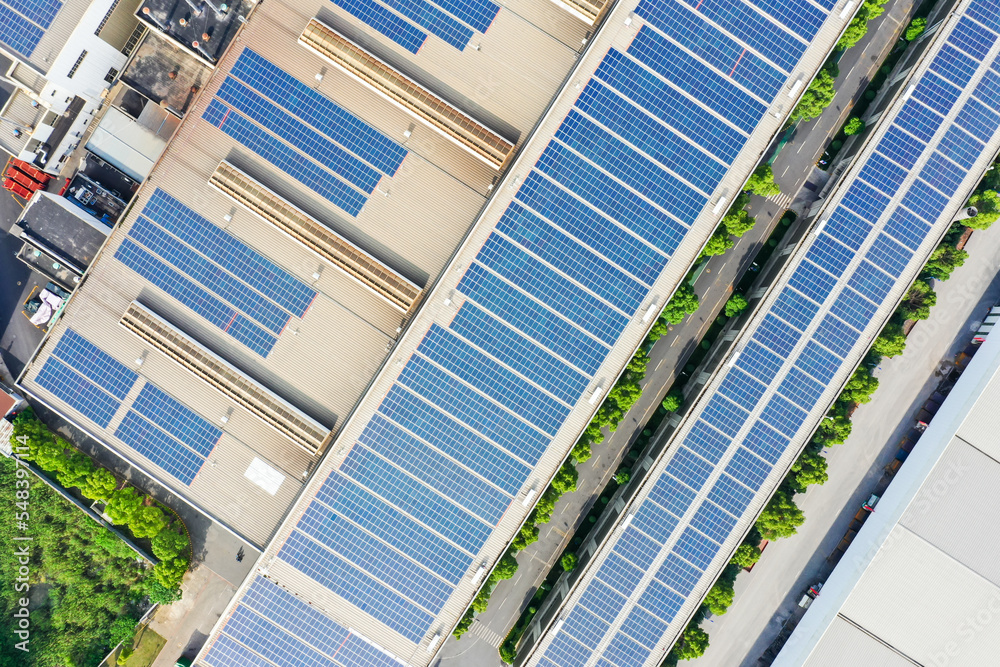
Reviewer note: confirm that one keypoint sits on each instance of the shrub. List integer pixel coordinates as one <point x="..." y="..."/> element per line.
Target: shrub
<point x="761" y="182"/>
<point x="987" y="202"/>
<point x="147" y="522"/>
<point x="816" y="99"/>
<point x="718" y="243"/>
<point x="683" y="303"/>
<point x="123" y="506"/>
<point x="565" y="478"/>
<point x="810" y="468"/>
<point x="168" y="543"/>
<point x="569" y="561"/>
<point x="746" y="556"/>
<point x="720" y="597"/>
<point x="737" y="304"/>
<point x="463" y="624"/>
<point x="891" y="342"/>
<point x="692" y="644"/>
<point x="854" y="125"/>
<point x="506" y="567"/>
<point x="781" y="516"/>
<point x="527" y="536"/>
<point x="917" y="303"/>
<point x="673" y="400"/>
<point x="916" y="28"/>
<point x="944" y="260"/>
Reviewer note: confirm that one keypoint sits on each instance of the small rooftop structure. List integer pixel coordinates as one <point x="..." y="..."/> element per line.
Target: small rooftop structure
<point x="166" y="74"/>
<point x="203" y="28"/>
<point x="61" y="238"/>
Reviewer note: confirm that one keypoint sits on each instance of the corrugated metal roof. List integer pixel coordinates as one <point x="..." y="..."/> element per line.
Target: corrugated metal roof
<point x="845" y="644"/>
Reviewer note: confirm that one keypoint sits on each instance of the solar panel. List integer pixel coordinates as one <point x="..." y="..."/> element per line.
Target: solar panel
<point x="626" y="652"/>
<point x="695" y="548"/>
<point x="936" y="93"/>
<point x="154" y="444"/>
<point x="654" y="521"/>
<point x="661" y="601"/>
<point x="176" y="419"/>
<point x="853" y="309"/>
<point x="284" y="609"/>
<point x="954" y="65"/>
<point x="644" y="627"/>
<point x="386" y="22"/>
<point x="77" y="392"/>
<point x="972" y="38"/>
<point x="284" y="157"/>
<point x="433" y="20"/>
<point x="801" y="17"/>
<point x="108" y="373"/>
<point x="960" y="147"/>
<point x="41" y="12"/>
<point x="900" y="147"/>
<point x="227" y="652"/>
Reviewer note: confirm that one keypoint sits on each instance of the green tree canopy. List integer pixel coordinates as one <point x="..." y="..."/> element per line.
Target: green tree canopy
<point x="527" y="536"/>
<point x="891" y="342"/>
<point x="720" y="597"/>
<point x="684" y="302"/>
<point x="762" y="183"/>
<point x="746" y="556"/>
<point x="917" y="302"/>
<point x="781" y="516"/>
<point x="673" y="400"/>
<point x="834" y="429"/>
<point x="810" y="468"/>
<point x="565" y="478"/>
<point x="623" y="476"/>
<point x="987" y="203"/>
<point x="582" y="450"/>
<point x="692" y="644"/>
<point x="853" y="125"/>
<point x="147" y="522"/>
<point x="944" y="260"/>
<point x="718" y="243"/>
<point x="816" y="99"/>
<point x="916" y="28"/>
<point x="506" y="567"/>
<point x="859" y="387"/>
<point x="168" y="543"/>
<point x="123" y="506"/>
<point x="569" y="561"/>
<point x="736" y="304"/>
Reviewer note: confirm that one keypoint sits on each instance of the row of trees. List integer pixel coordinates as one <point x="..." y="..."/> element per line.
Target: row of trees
<point x="781" y="517"/>
<point x="124" y="507"/>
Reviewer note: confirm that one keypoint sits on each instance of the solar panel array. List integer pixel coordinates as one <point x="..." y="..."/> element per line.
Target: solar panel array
<point x="24" y="22"/>
<point x="272" y="626"/>
<point x="160" y="428"/>
<point x="86" y="378"/>
<point x="213" y="273"/>
<point x="397" y="526"/>
<point x="408" y="22"/>
<point x="303" y="133"/>
<point x="811" y="332"/>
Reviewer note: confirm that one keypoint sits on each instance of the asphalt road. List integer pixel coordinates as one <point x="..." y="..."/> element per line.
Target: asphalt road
<point x="767" y="596"/>
<point x="793" y="167"/>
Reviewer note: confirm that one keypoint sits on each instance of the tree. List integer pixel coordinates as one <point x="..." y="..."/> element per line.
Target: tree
<point x="122" y="632"/>
<point x="581" y="450"/>
<point x="506" y="567"/>
<point x="853" y="125"/>
<point x="917" y="303"/>
<point x="569" y="561"/>
<point x="718" y="243"/>
<point x="170" y="572"/>
<point x="781" y="516"/>
<point x="762" y="183"/>
<point x="987" y="203"/>
<point x="546" y="504"/>
<point x="891" y="342"/>
<point x="99" y="485"/>
<point x="692" y="644"/>
<point x="623" y="476"/>
<point x="834" y="429"/>
<point x="720" y="597"/>
<point x="944" y="260"/>
<point x="527" y="536"/>
<point x="481" y="601"/>
<point x="737" y="304"/>
<point x="817" y="97"/>
<point x="810" y="468"/>
<point x="738" y="222"/>
<point x="856" y="29"/>
<point x="51" y="455"/>
<point x="123" y="506"/>
<point x="916" y="28"/>
<point x="859" y="387"/>
<point x="683" y="303"/>
<point x="746" y="556"/>
<point x="168" y="543"/>
<point x="77" y="467"/>
<point x="673" y="400"/>
<point x="565" y="479"/>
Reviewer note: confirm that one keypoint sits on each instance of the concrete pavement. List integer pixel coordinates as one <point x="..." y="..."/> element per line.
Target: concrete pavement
<point x="793" y="168"/>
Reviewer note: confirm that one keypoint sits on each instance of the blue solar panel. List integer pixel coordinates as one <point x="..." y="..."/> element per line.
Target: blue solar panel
<point x="519" y="353"/>
<point x="883" y="174"/>
<point x="749" y="469"/>
<point x="900" y="147"/>
<point x="695" y="548"/>
<point x="298" y="134"/>
<point x="925" y="201"/>
<point x="436" y="471"/>
<point x="978" y="119"/>
<point x="713" y="521"/>
<point x="705" y="441"/>
<point x="178" y="420"/>
<point x="555" y="291"/>
<point x="428" y="507"/>
<point x="888" y="255"/>
<point x="270" y="641"/>
<point x="477" y="13"/>
<point x="288" y="611"/>
<point x="567" y="652"/>
<point x="637" y="548"/>
<point x="723" y="415"/>
<point x="567" y="255"/>
<point x="812" y="281"/>
<point x="77" y="392"/>
<point x="661" y="601"/>
<point x="611" y="197"/>
<point x="918" y="120"/>
<point x="194" y="297"/>
<point x="592" y="228"/>
<point x="754" y="30"/>
<point x="626" y="652"/>
<point x="585" y="627"/>
<point x="644" y="627"/>
<point x="818" y="362"/>
<point x="472" y="366"/>
<point x="798" y="16"/>
<point x="783" y="415"/>
<point x="655" y="521"/>
<point x="943" y="174"/>
<point x="906" y="228"/>
<point x="457" y="441"/>
<point x="865" y="200"/>
<point x="765" y="442"/>
<point x="689" y="468"/>
<point x="358" y="588"/>
<point x="40" y="12"/>
<point x="672" y="495"/>
<point x="697" y="79"/>
<point x="730" y="495"/>
<point x="374" y="556"/>
<point x="776" y="335"/>
<point x="384" y="21"/>
<point x="972" y="38"/>
<point x="836" y="335"/>
<point x="986" y="13"/>
<point x="394" y="528"/>
<point x="619" y="574"/>
<point x="988" y="89"/>
<point x="319" y="111"/>
<point x="210" y="275"/>
<point x="829" y="255"/>
<point x="794" y="308"/>
<point x="534" y="319"/>
<point x="936" y="93"/>
<point x="650" y="136"/>
<point x="678" y="574"/>
<point x="715" y="47"/>
<point x="602" y="600"/>
<point x="284" y="157"/>
<point x="960" y="147"/>
<point x="226" y="652"/>
<point x="154" y="443"/>
<point x="954" y="65"/>
<point x="664" y="102"/>
<point x="854" y="309"/>
<point x="110" y="374"/>
<point x="17" y="33"/>
<point x="759" y="362"/>
<point x="630" y="167"/>
<point x="801" y="389"/>
<point x="433" y="20"/>
<point x="742" y="389"/>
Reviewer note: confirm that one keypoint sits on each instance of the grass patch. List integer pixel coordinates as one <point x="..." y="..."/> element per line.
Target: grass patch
<point x="147" y="645"/>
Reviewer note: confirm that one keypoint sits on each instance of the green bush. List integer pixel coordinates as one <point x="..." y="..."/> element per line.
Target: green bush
<point x="761" y="182"/>
<point x="853" y="125"/>
<point x="718" y="243"/>
<point x="507" y="653"/>
<point x="623" y="476"/>
<point x="673" y="400"/>
<point x="684" y="302"/>
<point x="917" y="303"/>
<point x="815" y="99"/>
<point x="781" y="517"/>
<point x="692" y="644"/>
<point x="720" y="597"/>
<point x="568" y="561"/>
<point x="168" y="543"/>
<point x="810" y="468"/>
<point x="891" y="342"/>
<point x="746" y="556"/>
<point x="736" y="304"/>
<point x="987" y="202"/>
<point x="944" y="260"/>
<point x="463" y="624"/>
<point x="916" y="28"/>
<point x="123" y="506"/>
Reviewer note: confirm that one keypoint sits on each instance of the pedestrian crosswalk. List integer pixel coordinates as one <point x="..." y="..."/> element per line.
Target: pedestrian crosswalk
<point x="781" y="199"/>
<point x="483" y="632"/>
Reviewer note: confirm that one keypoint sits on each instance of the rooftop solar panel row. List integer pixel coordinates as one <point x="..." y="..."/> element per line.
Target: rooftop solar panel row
<point x="811" y="332"/>
<point x="386" y="22"/>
